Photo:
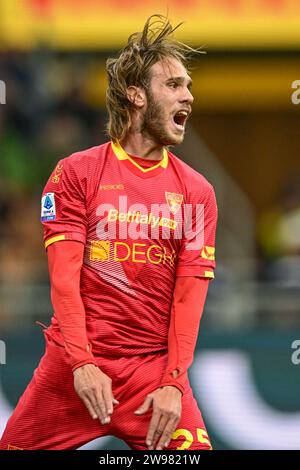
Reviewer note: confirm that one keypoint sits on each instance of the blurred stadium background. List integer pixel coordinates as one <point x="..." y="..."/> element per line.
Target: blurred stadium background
<point x="244" y="136"/>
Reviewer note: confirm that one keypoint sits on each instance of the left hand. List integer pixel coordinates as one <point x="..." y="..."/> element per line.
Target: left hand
<point x="166" y="403"/>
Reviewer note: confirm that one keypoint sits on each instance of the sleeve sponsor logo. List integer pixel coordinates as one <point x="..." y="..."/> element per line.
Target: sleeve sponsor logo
<point x="48" y="211"/>
<point x="208" y="252"/>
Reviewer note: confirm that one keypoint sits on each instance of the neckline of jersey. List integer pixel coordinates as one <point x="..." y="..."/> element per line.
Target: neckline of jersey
<point x="122" y="155"/>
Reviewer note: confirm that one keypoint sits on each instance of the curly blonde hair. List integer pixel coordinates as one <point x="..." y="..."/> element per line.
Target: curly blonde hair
<point x="132" y="68"/>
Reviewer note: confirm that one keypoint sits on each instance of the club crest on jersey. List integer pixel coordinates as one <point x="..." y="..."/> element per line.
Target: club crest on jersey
<point x="174" y="201"/>
<point x="48" y="211"/>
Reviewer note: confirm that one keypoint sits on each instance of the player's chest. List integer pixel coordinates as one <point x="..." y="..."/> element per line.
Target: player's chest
<point x="126" y="202"/>
<point x="124" y="191"/>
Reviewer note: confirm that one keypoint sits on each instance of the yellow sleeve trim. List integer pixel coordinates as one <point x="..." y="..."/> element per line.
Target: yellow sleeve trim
<point x="57" y="238"/>
<point x="209" y="274"/>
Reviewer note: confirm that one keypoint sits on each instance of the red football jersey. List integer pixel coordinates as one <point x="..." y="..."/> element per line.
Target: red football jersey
<point x="141" y="228"/>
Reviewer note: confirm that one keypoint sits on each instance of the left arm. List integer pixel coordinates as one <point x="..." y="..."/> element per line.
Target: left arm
<point x="187" y="307"/>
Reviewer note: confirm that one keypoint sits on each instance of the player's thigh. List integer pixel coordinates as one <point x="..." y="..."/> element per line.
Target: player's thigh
<point x="190" y="433"/>
<point x="49" y="414"/>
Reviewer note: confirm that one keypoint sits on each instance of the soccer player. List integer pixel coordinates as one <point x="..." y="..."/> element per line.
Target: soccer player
<point x="129" y="232"/>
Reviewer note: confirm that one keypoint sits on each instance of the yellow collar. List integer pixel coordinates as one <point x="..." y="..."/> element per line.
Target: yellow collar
<point x="122" y="155"/>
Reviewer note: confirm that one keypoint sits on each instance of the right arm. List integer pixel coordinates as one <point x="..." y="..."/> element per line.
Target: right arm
<point x="65" y="260"/>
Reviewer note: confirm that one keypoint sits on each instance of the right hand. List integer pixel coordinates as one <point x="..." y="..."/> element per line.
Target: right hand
<point x="95" y="390"/>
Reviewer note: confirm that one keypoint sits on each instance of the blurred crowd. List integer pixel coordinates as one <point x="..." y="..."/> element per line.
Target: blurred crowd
<point x="279" y="236"/>
<point x="48" y="115"/>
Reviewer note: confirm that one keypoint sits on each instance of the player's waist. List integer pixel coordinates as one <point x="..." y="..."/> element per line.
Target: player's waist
<point x="110" y="350"/>
<point x="126" y="336"/>
<point x="114" y="347"/>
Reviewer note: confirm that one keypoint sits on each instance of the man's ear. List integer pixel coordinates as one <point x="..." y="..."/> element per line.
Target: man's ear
<point x="136" y="96"/>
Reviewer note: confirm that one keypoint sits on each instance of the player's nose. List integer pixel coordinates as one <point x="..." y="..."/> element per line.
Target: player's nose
<point x="187" y="96"/>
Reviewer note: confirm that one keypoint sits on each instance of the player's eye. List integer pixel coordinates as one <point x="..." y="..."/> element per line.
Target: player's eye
<point x="173" y="85"/>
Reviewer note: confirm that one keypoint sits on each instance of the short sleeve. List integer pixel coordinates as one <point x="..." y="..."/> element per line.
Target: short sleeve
<point x="63" y="209"/>
<point x="197" y="253"/>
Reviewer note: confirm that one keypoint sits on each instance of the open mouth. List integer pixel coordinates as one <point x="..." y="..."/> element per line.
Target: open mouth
<point x="180" y="119"/>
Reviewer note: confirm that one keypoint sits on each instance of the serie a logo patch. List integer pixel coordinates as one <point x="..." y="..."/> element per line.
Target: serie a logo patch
<point x="48" y="211"/>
